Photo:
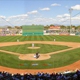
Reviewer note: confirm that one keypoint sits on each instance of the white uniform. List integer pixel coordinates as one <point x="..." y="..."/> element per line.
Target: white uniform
<point x="32" y="44"/>
<point x="54" y="39"/>
<point x="17" y="40"/>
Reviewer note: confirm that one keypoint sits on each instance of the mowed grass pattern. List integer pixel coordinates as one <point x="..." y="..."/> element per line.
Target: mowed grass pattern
<point x="40" y="38"/>
<point x="56" y="60"/>
<point x="44" y="48"/>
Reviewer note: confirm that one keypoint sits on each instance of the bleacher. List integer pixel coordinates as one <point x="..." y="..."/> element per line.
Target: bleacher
<point x="66" y="75"/>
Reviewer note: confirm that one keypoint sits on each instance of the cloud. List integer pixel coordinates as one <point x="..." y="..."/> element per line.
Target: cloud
<point x="18" y="16"/>
<point x="33" y="12"/>
<point x="13" y="19"/>
<point x="59" y="16"/>
<point x="66" y="15"/>
<point x="2" y="17"/>
<point x="63" y="16"/>
<point x="60" y="19"/>
<point x="76" y="7"/>
<point x="55" y="4"/>
<point x="65" y="19"/>
<point x="76" y="17"/>
<point x="40" y="20"/>
<point x="45" y="9"/>
<point x="25" y="19"/>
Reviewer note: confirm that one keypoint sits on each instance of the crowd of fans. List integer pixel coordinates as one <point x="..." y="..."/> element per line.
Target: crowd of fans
<point x="41" y="76"/>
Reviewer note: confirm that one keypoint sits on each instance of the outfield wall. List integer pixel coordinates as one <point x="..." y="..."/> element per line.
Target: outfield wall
<point x="37" y="30"/>
<point x="32" y="30"/>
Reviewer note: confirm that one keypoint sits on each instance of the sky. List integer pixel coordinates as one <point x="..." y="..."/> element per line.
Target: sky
<point x="39" y="12"/>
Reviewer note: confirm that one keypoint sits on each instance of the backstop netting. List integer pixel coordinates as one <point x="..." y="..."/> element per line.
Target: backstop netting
<point x="32" y="30"/>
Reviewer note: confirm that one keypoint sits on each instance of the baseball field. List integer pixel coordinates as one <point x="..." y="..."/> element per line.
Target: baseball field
<point x="59" y="55"/>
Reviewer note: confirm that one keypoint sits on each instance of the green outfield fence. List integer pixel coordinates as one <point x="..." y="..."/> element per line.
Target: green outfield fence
<point x="32" y="30"/>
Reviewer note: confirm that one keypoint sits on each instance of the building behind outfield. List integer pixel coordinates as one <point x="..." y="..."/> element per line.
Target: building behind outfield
<point x="32" y="30"/>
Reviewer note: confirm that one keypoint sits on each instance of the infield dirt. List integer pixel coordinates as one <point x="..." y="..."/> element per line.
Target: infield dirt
<point x="73" y="66"/>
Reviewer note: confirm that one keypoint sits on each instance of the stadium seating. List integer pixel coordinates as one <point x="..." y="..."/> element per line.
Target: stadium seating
<point x="41" y="76"/>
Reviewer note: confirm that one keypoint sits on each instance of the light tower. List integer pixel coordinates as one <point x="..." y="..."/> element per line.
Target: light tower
<point x="70" y="10"/>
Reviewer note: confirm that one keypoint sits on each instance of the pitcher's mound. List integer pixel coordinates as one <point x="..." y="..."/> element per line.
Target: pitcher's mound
<point x="33" y="47"/>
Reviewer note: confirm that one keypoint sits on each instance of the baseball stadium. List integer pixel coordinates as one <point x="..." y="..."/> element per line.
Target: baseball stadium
<point x="39" y="40"/>
<point x="56" y="53"/>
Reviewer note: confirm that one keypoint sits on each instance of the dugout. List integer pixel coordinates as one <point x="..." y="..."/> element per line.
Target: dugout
<point x="32" y="30"/>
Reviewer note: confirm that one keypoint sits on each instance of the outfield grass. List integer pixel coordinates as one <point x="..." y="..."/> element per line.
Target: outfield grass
<point x="44" y="48"/>
<point x="56" y="60"/>
<point x="40" y="38"/>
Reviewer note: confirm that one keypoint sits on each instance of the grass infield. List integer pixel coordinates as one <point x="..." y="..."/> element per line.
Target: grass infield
<point x="44" y="48"/>
<point x="56" y="60"/>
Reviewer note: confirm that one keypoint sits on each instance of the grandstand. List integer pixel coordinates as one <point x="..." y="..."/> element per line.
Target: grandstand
<point x="66" y="75"/>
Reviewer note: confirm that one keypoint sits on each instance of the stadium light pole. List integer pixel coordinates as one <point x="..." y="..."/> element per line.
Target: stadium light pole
<point x="70" y="11"/>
